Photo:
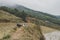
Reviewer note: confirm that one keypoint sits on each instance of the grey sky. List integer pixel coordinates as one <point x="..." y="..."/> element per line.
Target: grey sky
<point x="49" y="6"/>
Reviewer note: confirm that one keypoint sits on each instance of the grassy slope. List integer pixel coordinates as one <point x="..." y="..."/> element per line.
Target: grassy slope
<point x="31" y="31"/>
<point x="27" y="31"/>
<point x="7" y="16"/>
<point x="7" y="27"/>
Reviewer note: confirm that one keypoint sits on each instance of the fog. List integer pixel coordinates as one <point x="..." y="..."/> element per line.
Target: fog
<point x="48" y="6"/>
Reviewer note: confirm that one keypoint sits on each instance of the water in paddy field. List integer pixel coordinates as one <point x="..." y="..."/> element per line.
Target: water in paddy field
<point x="53" y="35"/>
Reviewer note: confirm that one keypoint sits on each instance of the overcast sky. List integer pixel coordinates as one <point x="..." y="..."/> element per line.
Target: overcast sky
<point x="48" y="6"/>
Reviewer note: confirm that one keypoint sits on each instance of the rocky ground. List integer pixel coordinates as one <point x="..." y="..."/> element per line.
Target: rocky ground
<point x="53" y="35"/>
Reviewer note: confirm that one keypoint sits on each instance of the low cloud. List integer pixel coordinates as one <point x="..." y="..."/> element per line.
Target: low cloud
<point x="49" y="6"/>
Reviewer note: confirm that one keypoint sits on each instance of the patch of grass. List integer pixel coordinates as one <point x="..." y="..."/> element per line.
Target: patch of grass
<point x="9" y="17"/>
<point x="6" y="37"/>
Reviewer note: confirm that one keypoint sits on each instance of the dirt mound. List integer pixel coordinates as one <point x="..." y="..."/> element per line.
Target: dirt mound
<point x="30" y="32"/>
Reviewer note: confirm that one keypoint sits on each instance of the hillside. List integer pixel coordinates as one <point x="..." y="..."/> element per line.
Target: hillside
<point x="38" y="14"/>
<point x="29" y="31"/>
<point x="17" y="10"/>
<point x="7" y="17"/>
<point x="9" y="28"/>
<point x="34" y="24"/>
<point x="34" y="17"/>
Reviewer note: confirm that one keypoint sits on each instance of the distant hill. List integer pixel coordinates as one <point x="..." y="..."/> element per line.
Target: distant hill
<point x="36" y="14"/>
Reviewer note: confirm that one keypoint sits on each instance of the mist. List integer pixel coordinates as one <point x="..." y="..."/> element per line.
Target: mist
<point x="48" y="6"/>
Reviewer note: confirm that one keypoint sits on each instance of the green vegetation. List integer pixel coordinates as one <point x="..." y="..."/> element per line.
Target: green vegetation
<point x="15" y="12"/>
<point x="6" y="37"/>
<point x="34" y="14"/>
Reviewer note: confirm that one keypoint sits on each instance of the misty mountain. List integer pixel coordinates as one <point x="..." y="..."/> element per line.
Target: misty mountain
<point x="38" y="14"/>
<point x="31" y="11"/>
<point x="35" y="14"/>
<point x="27" y="10"/>
<point x="7" y="4"/>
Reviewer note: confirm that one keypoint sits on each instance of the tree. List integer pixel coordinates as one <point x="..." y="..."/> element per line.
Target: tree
<point x="23" y="16"/>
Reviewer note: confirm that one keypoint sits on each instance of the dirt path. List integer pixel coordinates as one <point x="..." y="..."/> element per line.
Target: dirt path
<point x="17" y="34"/>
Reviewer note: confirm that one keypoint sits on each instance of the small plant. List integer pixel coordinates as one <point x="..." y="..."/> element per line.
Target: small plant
<point x="6" y="37"/>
